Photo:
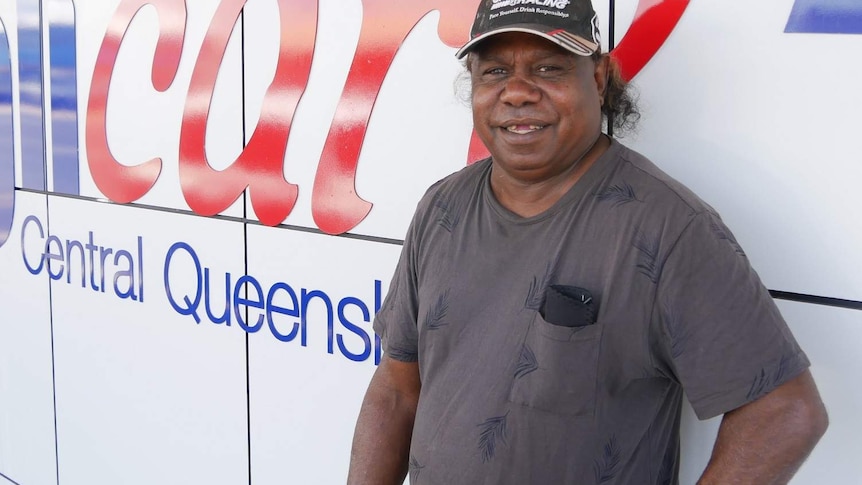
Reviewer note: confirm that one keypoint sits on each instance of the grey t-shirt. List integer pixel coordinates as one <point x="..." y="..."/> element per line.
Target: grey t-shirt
<point x="510" y="398"/>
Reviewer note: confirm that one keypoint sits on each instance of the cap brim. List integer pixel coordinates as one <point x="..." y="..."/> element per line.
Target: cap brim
<point x="572" y="43"/>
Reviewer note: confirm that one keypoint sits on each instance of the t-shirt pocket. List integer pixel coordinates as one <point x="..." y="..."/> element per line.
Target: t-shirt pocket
<point x="557" y="368"/>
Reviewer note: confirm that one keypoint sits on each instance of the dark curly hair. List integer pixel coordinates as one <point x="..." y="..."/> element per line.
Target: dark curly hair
<point x="619" y="109"/>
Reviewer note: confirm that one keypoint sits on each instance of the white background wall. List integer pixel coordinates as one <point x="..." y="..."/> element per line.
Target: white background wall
<point x="95" y="389"/>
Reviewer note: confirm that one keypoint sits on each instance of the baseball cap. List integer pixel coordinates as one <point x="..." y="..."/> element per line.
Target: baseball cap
<point x="571" y="24"/>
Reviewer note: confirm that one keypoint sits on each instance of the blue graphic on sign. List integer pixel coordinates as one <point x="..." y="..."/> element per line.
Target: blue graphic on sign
<point x="70" y="259"/>
<point x="7" y="140"/>
<point x="826" y="17"/>
<point x="64" y="95"/>
<point x="59" y="17"/>
<point x="30" y="80"/>
<point x="287" y="310"/>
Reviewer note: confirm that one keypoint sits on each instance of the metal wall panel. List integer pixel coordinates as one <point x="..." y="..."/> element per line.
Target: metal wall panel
<point x="741" y="112"/>
<point x="342" y="104"/>
<point x="308" y="369"/>
<point x="144" y="393"/>
<point x="26" y="361"/>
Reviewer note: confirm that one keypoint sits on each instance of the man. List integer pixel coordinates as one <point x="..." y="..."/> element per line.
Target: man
<point x="552" y="302"/>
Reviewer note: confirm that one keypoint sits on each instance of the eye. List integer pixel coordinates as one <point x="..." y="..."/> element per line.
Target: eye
<point x="494" y="71"/>
<point x="549" y="68"/>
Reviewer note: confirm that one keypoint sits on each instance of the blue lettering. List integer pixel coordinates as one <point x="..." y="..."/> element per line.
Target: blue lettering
<point x="27" y="221"/>
<point x="141" y="268"/>
<point x="251" y="308"/>
<point x="30" y="99"/>
<point x="129" y="273"/>
<point x="271" y="308"/>
<point x="7" y="142"/>
<point x="378" y="301"/>
<point x="64" y="101"/>
<point x="306" y="299"/>
<point x="825" y="17"/>
<point x="225" y="317"/>
<point x="366" y="351"/>
<point x="103" y="255"/>
<point x="191" y="305"/>
<point x="257" y="302"/>
<point x="91" y="249"/>
<point x="60" y="17"/>
<point x="69" y="246"/>
<point x="51" y="256"/>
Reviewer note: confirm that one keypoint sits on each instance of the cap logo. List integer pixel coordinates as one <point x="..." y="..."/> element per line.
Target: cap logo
<point x="557" y="4"/>
<point x="572" y="24"/>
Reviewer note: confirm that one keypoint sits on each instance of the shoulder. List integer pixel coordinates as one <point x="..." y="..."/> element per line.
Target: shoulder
<point x="654" y="210"/>
<point x="655" y="185"/>
<point x="454" y="190"/>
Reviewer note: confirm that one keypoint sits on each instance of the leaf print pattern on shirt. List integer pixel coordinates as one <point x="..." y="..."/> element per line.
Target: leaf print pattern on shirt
<point x="435" y="317"/>
<point x="402" y="355"/>
<point x="674" y="330"/>
<point x="648" y="264"/>
<point x="536" y="295"/>
<point x="414" y="468"/>
<point x="722" y="233"/>
<point x="764" y="382"/>
<point x="492" y="433"/>
<point x="606" y="467"/>
<point x="526" y="363"/>
<point x="618" y="194"/>
<point x="448" y="218"/>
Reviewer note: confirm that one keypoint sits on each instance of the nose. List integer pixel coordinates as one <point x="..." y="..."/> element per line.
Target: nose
<point x="520" y="90"/>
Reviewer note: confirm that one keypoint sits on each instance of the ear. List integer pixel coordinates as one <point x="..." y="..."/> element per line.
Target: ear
<point x="601" y="75"/>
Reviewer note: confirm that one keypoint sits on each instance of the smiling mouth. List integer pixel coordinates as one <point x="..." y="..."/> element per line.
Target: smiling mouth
<point x="524" y="129"/>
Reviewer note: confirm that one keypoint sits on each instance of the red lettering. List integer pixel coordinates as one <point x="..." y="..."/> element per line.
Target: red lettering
<point x="335" y="206"/>
<point x="654" y="21"/>
<point x="118" y="182"/>
<point x="260" y="165"/>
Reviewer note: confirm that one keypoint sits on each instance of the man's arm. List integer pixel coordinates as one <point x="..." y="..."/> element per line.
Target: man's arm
<point x="764" y="442"/>
<point x="381" y="442"/>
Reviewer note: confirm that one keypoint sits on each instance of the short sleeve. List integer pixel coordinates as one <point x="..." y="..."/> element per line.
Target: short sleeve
<point x="725" y="339"/>
<point x="395" y="322"/>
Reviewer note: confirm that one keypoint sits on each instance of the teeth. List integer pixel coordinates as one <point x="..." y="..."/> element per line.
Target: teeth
<point x="522" y="129"/>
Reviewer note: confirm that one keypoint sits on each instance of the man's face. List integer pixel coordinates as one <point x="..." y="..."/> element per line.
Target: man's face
<point x="535" y="105"/>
